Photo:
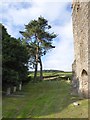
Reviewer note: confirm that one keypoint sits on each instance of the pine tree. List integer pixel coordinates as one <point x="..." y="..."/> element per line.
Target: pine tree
<point x="39" y="39"/>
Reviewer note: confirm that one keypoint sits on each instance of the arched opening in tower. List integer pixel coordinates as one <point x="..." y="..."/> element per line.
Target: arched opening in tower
<point x="84" y="72"/>
<point x="84" y="82"/>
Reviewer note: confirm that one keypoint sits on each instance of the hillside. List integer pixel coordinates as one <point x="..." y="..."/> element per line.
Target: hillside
<point x="47" y="99"/>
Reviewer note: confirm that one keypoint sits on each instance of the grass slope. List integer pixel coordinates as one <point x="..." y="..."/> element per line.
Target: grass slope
<point x="47" y="99"/>
<point x="49" y="73"/>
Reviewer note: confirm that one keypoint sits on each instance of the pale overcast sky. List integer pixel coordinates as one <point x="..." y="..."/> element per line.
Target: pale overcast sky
<point x="14" y="15"/>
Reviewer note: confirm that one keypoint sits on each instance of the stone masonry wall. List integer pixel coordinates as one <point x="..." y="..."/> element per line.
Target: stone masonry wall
<point x="81" y="48"/>
<point x="89" y="48"/>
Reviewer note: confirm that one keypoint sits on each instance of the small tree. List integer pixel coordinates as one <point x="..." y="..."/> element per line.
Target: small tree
<point x="36" y="33"/>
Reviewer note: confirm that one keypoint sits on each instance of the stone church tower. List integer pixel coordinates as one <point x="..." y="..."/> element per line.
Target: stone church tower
<point x="81" y="34"/>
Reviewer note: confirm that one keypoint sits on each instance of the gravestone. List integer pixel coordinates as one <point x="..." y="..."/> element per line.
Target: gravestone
<point x="14" y="89"/>
<point x="8" y="92"/>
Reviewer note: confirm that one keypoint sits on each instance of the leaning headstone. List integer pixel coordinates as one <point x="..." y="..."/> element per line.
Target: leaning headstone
<point x="20" y="86"/>
<point x="8" y="91"/>
<point x="14" y="89"/>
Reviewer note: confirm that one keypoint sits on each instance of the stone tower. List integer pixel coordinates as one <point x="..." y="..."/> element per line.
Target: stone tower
<point x="81" y="33"/>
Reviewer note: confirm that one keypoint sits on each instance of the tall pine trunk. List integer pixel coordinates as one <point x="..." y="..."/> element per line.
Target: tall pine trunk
<point x="36" y="58"/>
<point x="41" y="73"/>
<point x="35" y="72"/>
<point x="36" y="66"/>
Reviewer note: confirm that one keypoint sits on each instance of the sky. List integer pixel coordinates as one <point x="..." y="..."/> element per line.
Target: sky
<point x="14" y="15"/>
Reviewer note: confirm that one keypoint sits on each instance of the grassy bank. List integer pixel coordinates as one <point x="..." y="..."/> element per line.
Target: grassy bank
<point x="52" y="73"/>
<point x="47" y="99"/>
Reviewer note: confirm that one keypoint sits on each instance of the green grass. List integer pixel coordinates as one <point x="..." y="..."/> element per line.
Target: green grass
<point x="60" y="74"/>
<point x="44" y="73"/>
<point x="47" y="99"/>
